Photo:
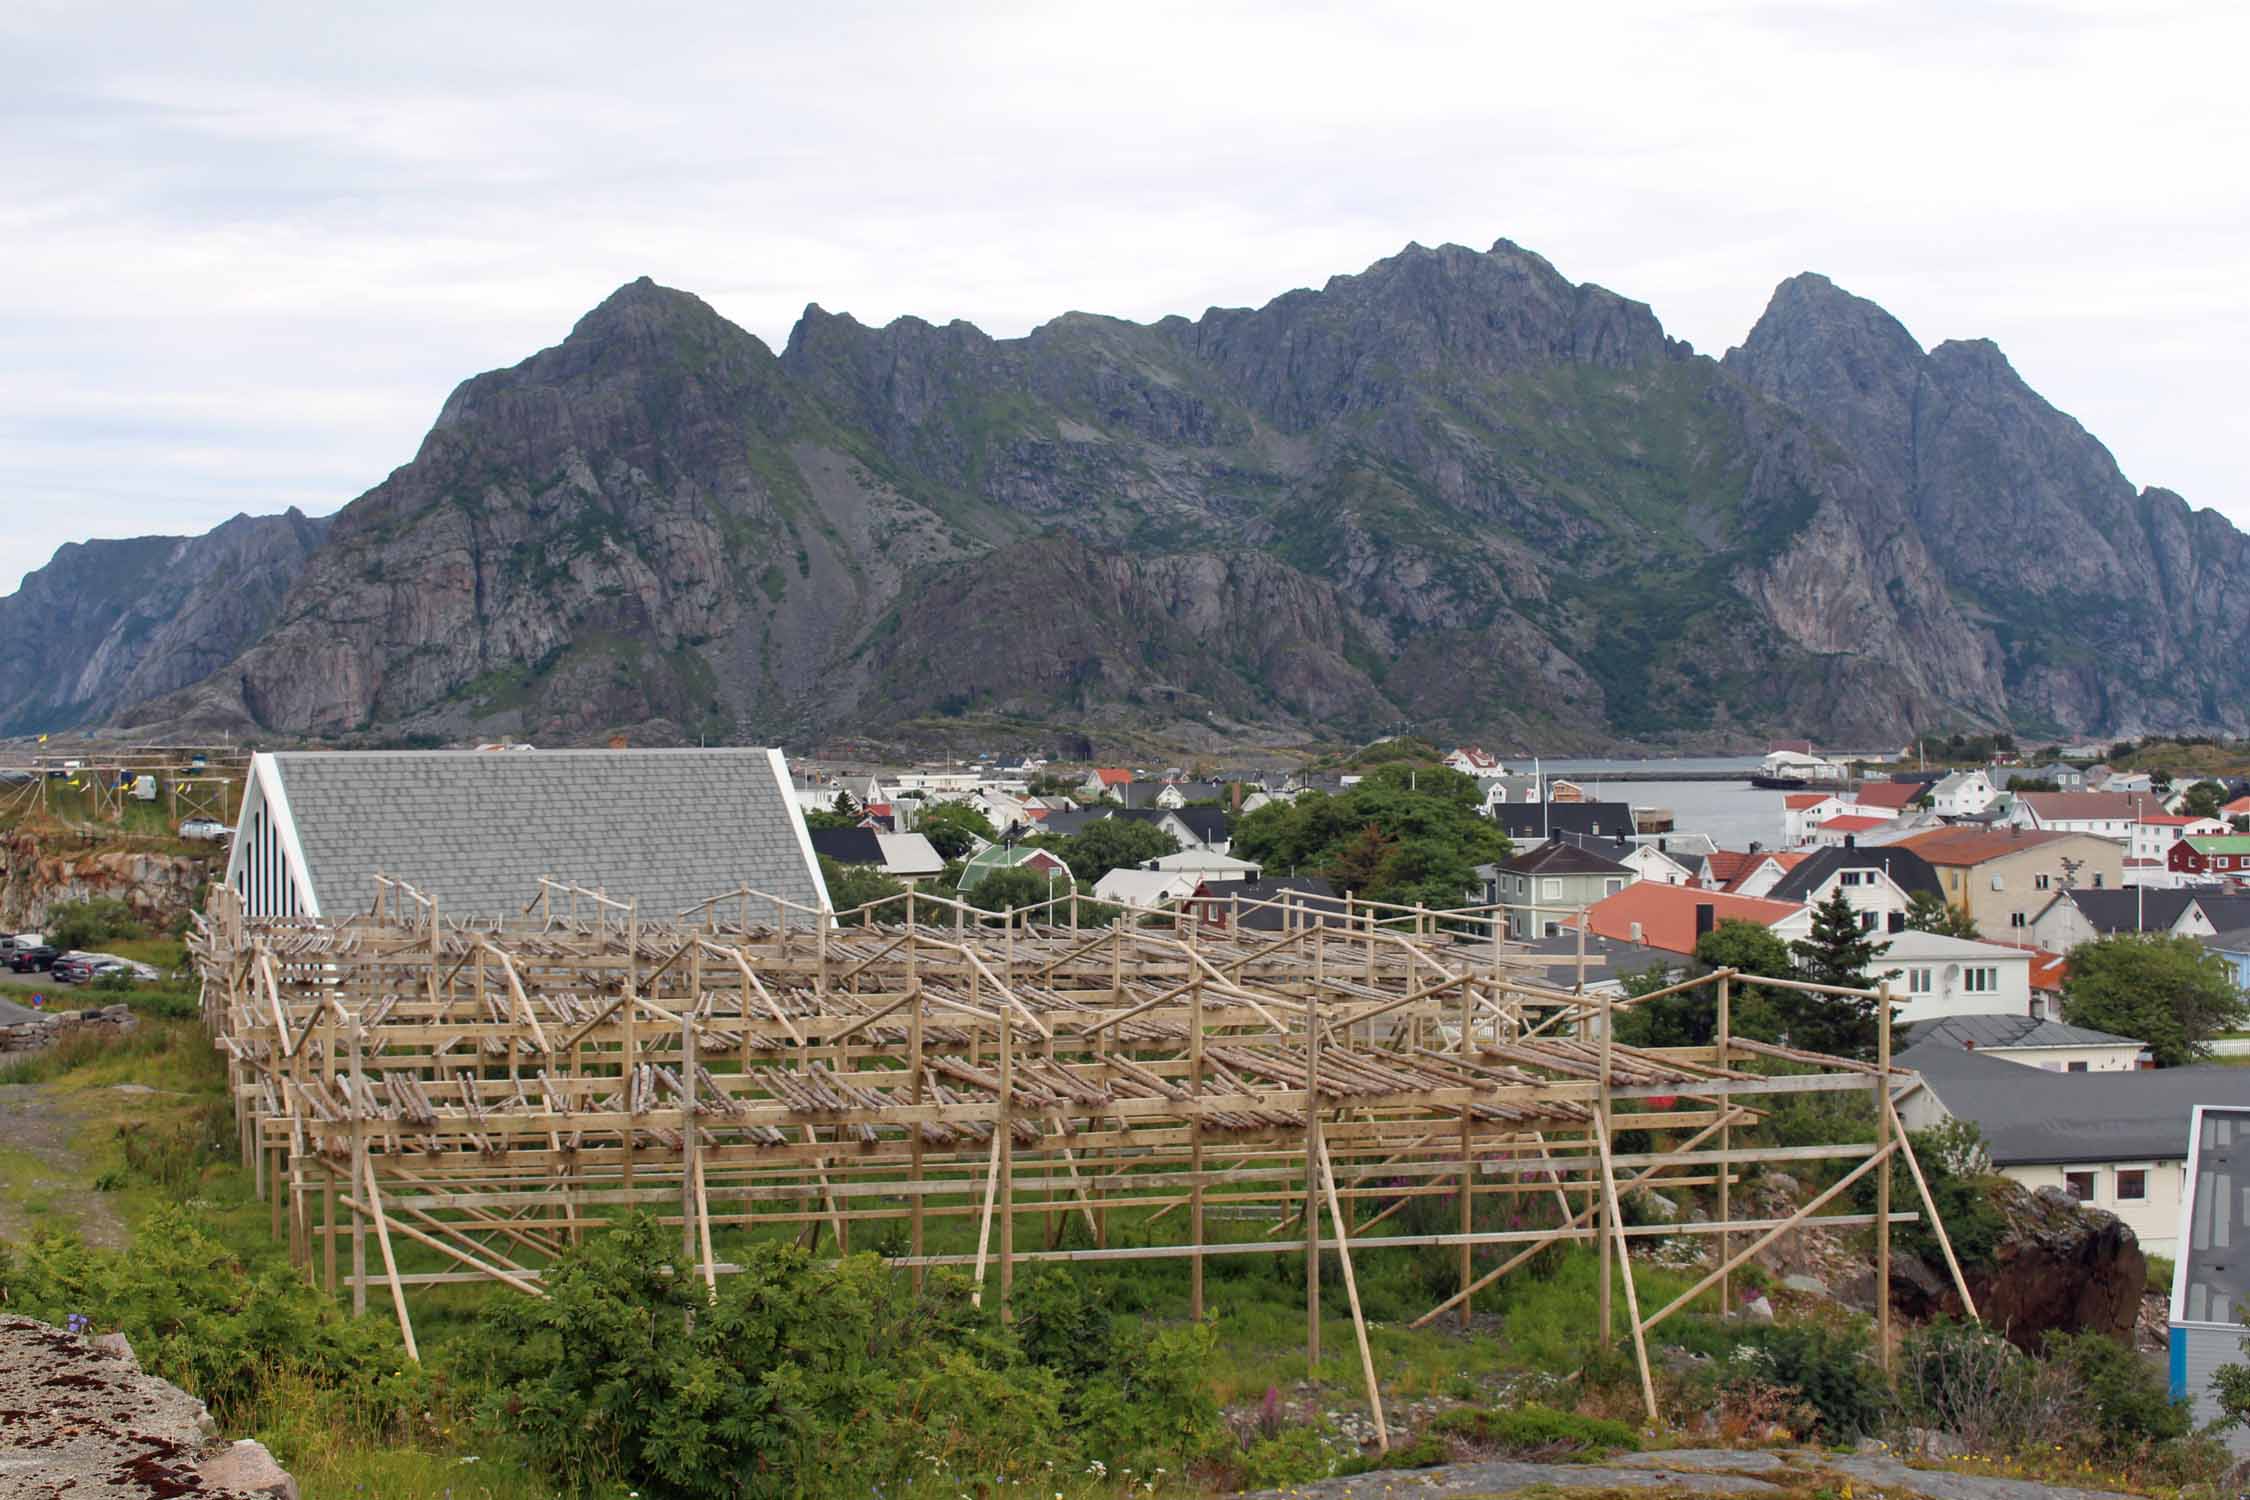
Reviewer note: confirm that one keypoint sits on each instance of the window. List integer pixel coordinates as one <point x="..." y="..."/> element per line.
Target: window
<point x="1918" y="981"/>
<point x="2017" y="919"/>
<point x="1867" y="921"/>
<point x="1980" y="980"/>
<point x="2079" y="1185"/>
<point x="1611" y="885"/>
<point x="1849" y="877"/>
<point x="2097" y="882"/>
<point x="2076" y="1067"/>
<point x="1553" y="888"/>
<point x="2132" y="1183"/>
<point x="2041" y="881"/>
<point x="1554" y="929"/>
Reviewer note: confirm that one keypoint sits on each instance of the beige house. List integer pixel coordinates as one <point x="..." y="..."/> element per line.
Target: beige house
<point x="2004" y="877"/>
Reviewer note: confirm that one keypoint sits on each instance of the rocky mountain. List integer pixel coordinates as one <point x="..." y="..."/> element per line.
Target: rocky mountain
<point x="1455" y="490"/>
<point x="107" y="624"/>
<point x="2111" y="609"/>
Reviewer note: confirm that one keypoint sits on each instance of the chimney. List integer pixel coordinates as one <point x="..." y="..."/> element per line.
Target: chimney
<point x="617" y="742"/>
<point x="1237" y="795"/>
<point x="1706" y="917"/>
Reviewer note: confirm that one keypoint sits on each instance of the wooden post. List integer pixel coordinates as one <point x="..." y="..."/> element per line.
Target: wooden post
<point x="1007" y="1127"/>
<point x="690" y="1132"/>
<point x="1195" y="1149"/>
<point x="390" y="1262"/>
<point x="1468" y="1163"/>
<point x="1724" y="1039"/>
<point x="359" y="1170"/>
<point x="1351" y="1294"/>
<point x="1609" y="1225"/>
<point x="1883" y="1174"/>
<point x="1312" y="1165"/>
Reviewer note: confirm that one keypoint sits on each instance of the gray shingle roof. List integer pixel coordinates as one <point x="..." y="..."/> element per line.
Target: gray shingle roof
<point x="2031" y="1116"/>
<point x="2004" y="1029"/>
<point x="666" y="828"/>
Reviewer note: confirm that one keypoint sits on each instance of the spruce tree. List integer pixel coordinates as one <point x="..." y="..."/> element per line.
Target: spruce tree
<point x="1838" y="952"/>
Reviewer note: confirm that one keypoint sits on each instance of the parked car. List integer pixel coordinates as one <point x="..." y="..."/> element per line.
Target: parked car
<point x="204" y="828"/>
<point x="74" y="967"/>
<point x="104" y="967"/>
<point x="33" y="960"/>
<point x="11" y="941"/>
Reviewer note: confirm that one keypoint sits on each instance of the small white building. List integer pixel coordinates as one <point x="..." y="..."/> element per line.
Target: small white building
<point x="1146" y="889"/>
<point x="1802" y="812"/>
<point x="1963" y="794"/>
<point x="2048" y="1045"/>
<point x="1948" y="976"/>
<point x="1797" y="763"/>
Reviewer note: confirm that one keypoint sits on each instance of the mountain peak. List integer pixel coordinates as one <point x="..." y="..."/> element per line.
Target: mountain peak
<point x="639" y="309"/>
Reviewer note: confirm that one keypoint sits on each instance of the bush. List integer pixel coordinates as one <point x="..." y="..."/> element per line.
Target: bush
<point x="1964" y="1379"/>
<point x="1536" y="1432"/>
<point x="2121" y="1396"/>
<point x="798" y="1368"/>
<point x="198" y="1317"/>
<point x="1831" y="1368"/>
<point x="1295" y="1455"/>
<point x="90" y="923"/>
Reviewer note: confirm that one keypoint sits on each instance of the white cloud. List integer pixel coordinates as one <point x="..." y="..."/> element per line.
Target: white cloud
<point x="251" y="247"/>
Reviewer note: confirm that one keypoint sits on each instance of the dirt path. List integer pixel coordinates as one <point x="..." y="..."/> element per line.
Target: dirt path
<point x="46" y="1180"/>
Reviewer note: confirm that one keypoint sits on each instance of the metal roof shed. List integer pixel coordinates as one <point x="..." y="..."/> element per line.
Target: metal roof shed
<point x="2211" y="1278"/>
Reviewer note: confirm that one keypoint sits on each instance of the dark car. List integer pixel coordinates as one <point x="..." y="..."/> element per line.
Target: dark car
<point x="33" y="960"/>
<point x="74" y="968"/>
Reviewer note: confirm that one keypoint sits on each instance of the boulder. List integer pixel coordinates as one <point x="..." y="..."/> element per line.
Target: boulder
<point x="2060" y="1266"/>
<point x="245" y="1465"/>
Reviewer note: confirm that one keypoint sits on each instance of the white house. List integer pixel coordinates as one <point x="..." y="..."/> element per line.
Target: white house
<point x="1205" y="864"/>
<point x="2154" y="833"/>
<point x="1801" y="812"/>
<point x="1847" y="828"/>
<point x="1963" y="794"/>
<point x="1797" y="763"/>
<point x="1879" y="883"/>
<point x="1648" y="862"/>
<point x="1146" y="888"/>
<point x="2035" y="1042"/>
<point x="1474" y="760"/>
<point x="1949" y="976"/>
<point x="2109" y="815"/>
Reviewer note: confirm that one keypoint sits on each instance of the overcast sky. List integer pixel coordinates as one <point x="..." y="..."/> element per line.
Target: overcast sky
<point x="246" y="250"/>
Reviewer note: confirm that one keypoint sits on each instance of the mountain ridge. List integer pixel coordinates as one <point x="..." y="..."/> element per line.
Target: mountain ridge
<point x="1453" y="489"/>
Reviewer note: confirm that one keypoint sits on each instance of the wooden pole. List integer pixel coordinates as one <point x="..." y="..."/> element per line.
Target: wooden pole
<point x="1195" y="1149"/>
<point x="1609" y="1237"/>
<point x="390" y="1263"/>
<point x="359" y="1169"/>
<point x="1312" y="1164"/>
<point x="1351" y="1294"/>
<point x="1721" y="1054"/>
<point x="1883" y="1175"/>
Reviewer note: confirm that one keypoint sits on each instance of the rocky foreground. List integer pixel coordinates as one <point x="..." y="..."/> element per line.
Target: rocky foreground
<point x="1691" y="1471"/>
<point x="79" y="1418"/>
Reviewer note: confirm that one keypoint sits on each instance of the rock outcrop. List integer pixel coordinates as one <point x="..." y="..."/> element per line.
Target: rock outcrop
<point x="82" y="1420"/>
<point x="40" y="871"/>
<point x="1455" y="488"/>
<point x="2061" y="1267"/>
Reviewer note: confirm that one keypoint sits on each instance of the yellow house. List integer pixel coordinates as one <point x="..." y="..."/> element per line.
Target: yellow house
<point x="2004" y="877"/>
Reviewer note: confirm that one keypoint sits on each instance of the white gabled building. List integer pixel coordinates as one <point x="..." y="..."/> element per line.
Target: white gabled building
<point x="1963" y="794"/>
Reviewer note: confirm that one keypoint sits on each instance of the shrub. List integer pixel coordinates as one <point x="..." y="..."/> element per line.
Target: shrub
<point x="1295" y="1455"/>
<point x="199" y="1317"/>
<point x="90" y="923"/>
<point x="1964" y="1379"/>
<point x="798" y="1368"/>
<point x="1536" y="1432"/>
<point x="2122" y="1397"/>
<point x="1829" y="1367"/>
